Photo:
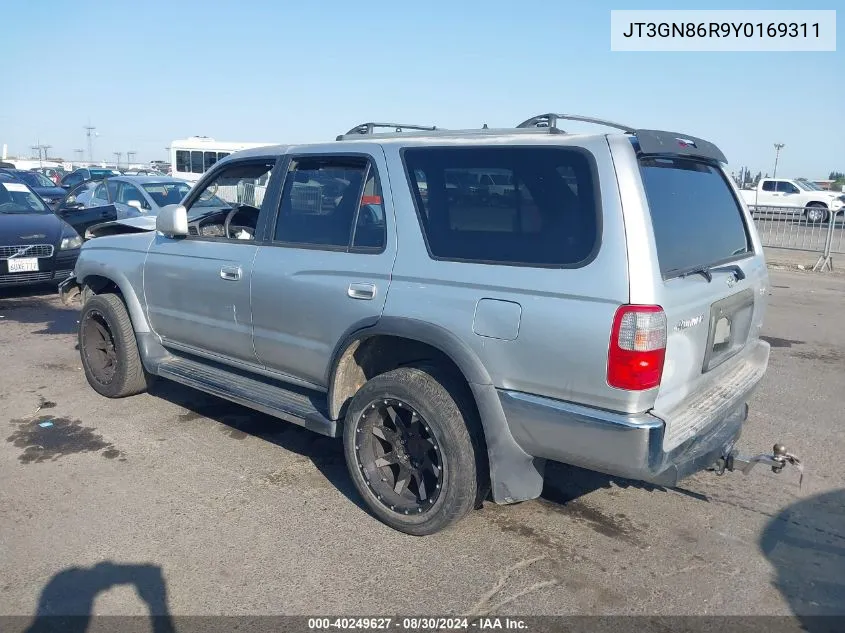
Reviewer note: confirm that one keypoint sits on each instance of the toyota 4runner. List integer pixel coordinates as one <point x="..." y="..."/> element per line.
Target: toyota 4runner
<point x="603" y="309"/>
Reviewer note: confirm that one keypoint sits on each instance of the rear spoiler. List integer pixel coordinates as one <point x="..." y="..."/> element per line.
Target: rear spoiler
<point x="659" y="142"/>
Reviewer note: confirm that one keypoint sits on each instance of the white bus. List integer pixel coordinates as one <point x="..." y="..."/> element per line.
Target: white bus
<point x="191" y="157"/>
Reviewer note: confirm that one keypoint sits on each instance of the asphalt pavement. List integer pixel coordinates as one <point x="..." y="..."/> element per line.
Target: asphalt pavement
<point x="182" y="503"/>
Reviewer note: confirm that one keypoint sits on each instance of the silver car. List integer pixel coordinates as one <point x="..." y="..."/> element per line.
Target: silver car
<point x="603" y="311"/>
<point x="133" y="196"/>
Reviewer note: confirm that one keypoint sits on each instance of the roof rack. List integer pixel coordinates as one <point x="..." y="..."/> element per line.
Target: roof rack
<point x="550" y="120"/>
<point x="369" y="128"/>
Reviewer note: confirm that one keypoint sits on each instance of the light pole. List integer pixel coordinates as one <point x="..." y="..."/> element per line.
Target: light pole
<point x="89" y="129"/>
<point x="130" y="156"/>
<point x="118" y="155"/>
<point x="778" y="147"/>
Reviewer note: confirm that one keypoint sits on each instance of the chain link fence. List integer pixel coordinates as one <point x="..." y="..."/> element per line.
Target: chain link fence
<point x="812" y="229"/>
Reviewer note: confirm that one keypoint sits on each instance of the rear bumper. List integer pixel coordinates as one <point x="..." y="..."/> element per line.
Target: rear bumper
<point x="630" y="446"/>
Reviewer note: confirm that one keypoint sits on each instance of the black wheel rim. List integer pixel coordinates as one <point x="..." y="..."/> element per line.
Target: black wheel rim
<point x="98" y="347"/>
<point x="399" y="457"/>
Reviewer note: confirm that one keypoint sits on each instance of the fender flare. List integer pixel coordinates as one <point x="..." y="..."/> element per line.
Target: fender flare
<point x="133" y="305"/>
<point x="514" y="474"/>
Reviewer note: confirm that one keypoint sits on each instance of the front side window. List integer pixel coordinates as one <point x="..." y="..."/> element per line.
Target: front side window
<point x="100" y="192"/>
<point x="129" y="192"/>
<point x="111" y="186"/>
<point x="769" y="185"/>
<point x="320" y="201"/>
<point x="164" y="193"/>
<point x="786" y="187"/>
<point x="506" y="205"/>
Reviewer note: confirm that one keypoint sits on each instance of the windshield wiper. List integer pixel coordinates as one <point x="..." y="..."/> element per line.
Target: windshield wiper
<point x="701" y="270"/>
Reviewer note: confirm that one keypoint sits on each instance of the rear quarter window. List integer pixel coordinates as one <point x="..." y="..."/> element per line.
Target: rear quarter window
<point x="697" y="221"/>
<point x="528" y="206"/>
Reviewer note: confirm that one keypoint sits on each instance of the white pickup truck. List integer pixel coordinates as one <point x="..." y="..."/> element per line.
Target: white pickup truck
<point x="785" y="196"/>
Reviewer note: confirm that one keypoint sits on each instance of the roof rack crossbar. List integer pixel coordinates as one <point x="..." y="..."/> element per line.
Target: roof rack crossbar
<point x="369" y="128"/>
<point x="550" y="120"/>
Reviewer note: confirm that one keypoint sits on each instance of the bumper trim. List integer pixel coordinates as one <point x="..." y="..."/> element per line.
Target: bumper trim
<point x="629" y="446"/>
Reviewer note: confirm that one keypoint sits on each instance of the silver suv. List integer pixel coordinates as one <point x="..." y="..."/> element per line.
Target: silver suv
<point x="602" y="308"/>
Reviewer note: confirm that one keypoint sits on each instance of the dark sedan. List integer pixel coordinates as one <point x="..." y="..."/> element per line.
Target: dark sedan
<point x="36" y="246"/>
<point x="84" y="174"/>
<point x="51" y="193"/>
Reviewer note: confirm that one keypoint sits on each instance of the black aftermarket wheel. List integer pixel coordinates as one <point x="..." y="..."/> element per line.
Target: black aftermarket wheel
<point x="410" y="451"/>
<point x="108" y="348"/>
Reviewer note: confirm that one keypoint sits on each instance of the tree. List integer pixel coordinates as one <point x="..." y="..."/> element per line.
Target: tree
<point x="836" y="175"/>
<point x="757" y="179"/>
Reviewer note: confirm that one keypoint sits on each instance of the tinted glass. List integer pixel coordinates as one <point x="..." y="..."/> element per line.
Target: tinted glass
<point x="320" y="202"/>
<point x="130" y="192"/>
<point x="370" y="228"/>
<point x="768" y="185"/>
<point x="210" y="158"/>
<point x="34" y="179"/>
<point x="505" y="205"/>
<point x="197" y="165"/>
<point x="183" y="161"/>
<point x="72" y="180"/>
<point x="786" y="187"/>
<point x="696" y="219"/>
<point x="112" y="185"/>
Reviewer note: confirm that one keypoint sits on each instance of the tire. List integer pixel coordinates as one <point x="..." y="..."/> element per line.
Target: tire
<point x="444" y="420"/>
<point x="108" y="348"/>
<point x="818" y="211"/>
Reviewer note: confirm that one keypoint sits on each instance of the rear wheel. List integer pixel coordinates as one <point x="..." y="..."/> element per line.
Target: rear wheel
<point x="410" y="450"/>
<point x="108" y="348"/>
<point x="816" y="212"/>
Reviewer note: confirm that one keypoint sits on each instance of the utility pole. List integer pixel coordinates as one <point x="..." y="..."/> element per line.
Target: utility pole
<point x="130" y="156"/>
<point x="118" y="155"/>
<point x="89" y="130"/>
<point x="35" y="148"/>
<point x="46" y="151"/>
<point x="778" y="147"/>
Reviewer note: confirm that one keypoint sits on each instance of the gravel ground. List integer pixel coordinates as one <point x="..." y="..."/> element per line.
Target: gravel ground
<point x="209" y="508"/>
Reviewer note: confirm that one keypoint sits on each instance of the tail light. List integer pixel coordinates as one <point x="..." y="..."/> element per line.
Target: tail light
<point x="637" y="348"/>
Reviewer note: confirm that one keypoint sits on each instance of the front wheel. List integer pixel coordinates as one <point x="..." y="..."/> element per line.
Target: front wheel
<point x="410" y="450"/>
<point x="816" y="213"/>
<point x="108" y="348"/>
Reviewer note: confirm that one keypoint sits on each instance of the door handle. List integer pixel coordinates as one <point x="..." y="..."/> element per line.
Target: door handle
<point x="361" y="291"/>
<point x="230" y="273"/>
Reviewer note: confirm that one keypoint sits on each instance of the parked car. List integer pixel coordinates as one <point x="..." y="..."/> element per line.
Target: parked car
<point x="40" y="184"/>
<point x="35" y="245"/>
<point x="83" y="174"/>
<point x="55" y="174"/>
<point x="793" y="197"/>
<point x="143" y="172"/>
<point x="77" y="210"/>
<point x="608" y="318"/>
<point x="138" y="195"/>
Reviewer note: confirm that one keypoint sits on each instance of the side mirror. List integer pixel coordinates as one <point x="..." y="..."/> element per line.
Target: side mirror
<point x="135" y="204"/>
<point x="172" y="221"/>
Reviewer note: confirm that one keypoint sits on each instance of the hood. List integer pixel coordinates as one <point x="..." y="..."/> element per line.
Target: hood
<point x="127" y="225"/>
<point x="30" y="228"/>
<point x="50" y="192"/>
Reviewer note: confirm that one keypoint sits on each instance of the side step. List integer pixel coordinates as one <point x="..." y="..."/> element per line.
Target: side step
<point x="290" y="404"/>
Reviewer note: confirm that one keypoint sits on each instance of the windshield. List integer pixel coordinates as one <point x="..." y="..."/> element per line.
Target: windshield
<point x="16" y="197"/>
<point x="806" y="185"/>
<point x="104" y="173"/>
<point x="34" y="179"/>
<point x="164" y="193"/>
<point x="697" y="221"/>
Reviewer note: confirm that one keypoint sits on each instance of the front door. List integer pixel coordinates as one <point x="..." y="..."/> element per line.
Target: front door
<point x="326" y="267"/>
<point x="197" y="288"/>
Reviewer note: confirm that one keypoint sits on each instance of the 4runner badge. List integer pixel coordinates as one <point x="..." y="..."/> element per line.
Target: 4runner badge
<point x="688" y="323"/>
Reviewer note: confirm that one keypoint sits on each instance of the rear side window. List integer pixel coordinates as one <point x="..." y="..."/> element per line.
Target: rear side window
<point x="533" y="206"/>
<point x="696" y="218"/>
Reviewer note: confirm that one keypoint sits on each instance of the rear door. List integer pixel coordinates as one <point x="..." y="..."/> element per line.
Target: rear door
<point x="713" y="282"/>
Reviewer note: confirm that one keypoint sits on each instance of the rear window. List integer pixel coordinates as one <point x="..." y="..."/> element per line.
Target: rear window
<point x="532" y="206"/>
<point x="697" y="221"/>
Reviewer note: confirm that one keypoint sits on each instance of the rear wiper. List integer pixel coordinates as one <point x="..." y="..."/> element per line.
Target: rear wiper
<point x="701" y="270"/>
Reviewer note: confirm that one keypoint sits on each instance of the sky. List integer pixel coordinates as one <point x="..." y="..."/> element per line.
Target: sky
<point x="146" y="73"/>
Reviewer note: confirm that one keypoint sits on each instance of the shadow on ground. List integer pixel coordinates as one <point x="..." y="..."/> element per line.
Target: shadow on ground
<point x="805" y="544"/>
<point x="37" y="305"/>
<point x="324" y="452"/>
<point x="67" y="602"/>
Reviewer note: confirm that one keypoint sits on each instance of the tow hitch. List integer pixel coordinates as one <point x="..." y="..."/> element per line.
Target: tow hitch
<point x="777" y="459"/>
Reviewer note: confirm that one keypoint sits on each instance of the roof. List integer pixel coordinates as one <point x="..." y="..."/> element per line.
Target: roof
<point x="147" y="180"/>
